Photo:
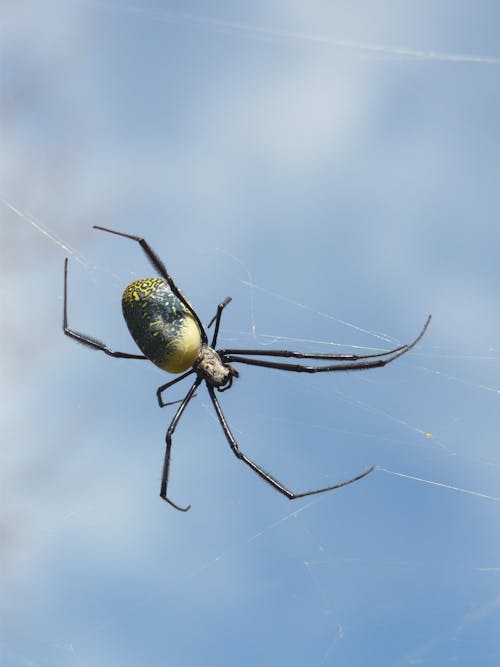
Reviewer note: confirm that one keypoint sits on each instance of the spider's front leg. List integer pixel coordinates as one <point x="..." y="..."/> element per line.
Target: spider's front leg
<point x="216" y="319"/>
<point x="162" y="270"/>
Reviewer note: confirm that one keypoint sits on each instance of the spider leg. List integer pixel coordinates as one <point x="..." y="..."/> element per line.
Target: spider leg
<point x="262" y="473"/>
<point x="94" y="343"/>
<point x="262" y="352"/>
<point x="165" y="386"/>
<point x="168" y="438"/>
<point x="354" y="362"/>
<point x="162" y="270"/>
<point x="216" y="319"/>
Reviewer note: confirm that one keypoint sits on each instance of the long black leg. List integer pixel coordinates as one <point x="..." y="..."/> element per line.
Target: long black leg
<point x="94" y="343"/>
<point x="262" y="473"/>
<point x="165" y="386"/>
<point x="325" y="356"/>
<point x="216" y="319"/>
<point x="355" y="363"/>
<point x="170" y="432"/>
<point x="162" y="270"/>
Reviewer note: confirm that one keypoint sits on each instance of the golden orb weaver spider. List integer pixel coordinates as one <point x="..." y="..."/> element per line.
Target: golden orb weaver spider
<point x="170" y="334"/>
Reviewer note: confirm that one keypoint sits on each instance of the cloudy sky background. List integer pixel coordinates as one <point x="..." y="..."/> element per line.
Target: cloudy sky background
<point x="334" y="168"/>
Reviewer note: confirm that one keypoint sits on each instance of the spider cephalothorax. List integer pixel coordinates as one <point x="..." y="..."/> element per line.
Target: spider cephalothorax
<point x="170" y="334"/>
<point x="209" y="366"/>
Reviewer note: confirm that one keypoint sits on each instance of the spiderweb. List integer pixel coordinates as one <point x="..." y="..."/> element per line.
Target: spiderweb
<point x="336" y="177"/>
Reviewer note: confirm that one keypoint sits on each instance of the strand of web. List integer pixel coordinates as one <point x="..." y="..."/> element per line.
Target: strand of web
<point x="265" y="339"/>
<point x="268" y="339"/>
<point x="375" y="50"/>
<point x="45" y="231"/>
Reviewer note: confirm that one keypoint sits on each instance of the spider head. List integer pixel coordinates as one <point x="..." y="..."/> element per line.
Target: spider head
<point x="213" y="370"/>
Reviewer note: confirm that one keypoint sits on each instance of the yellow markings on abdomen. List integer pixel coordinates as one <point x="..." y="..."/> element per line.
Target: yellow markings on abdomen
<point x="184" y="349"/>
<point x="163" y="328"/>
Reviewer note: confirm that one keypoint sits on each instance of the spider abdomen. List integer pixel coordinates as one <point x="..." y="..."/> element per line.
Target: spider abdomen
<point x="163" y="328"/>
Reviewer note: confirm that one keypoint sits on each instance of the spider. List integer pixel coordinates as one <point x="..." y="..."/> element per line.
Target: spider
<point x="169" y="332"/>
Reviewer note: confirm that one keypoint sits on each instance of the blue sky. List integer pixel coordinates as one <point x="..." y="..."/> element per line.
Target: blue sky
<point x="334" y="168"/>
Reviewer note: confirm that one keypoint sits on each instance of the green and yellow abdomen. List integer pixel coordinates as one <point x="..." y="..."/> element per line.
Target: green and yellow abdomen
<point x="161" y="325"/>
